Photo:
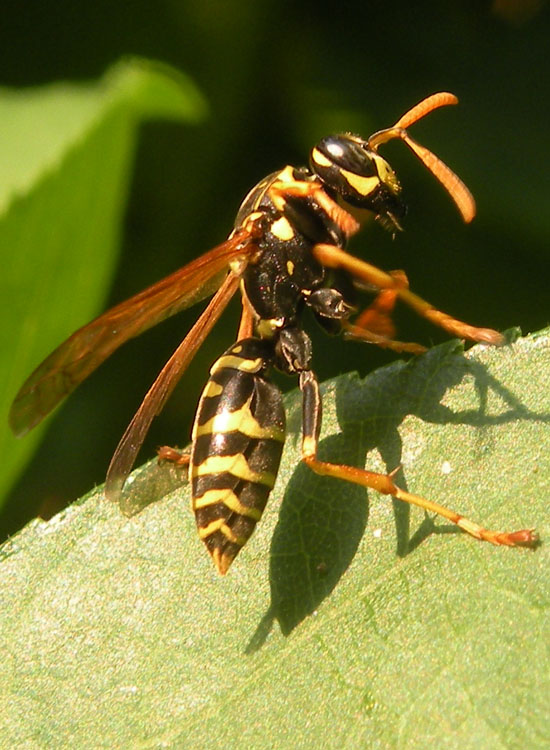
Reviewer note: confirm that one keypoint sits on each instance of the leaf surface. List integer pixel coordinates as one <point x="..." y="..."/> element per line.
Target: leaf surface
<point x="344" y="623"/>
<point x="65" y="159"/>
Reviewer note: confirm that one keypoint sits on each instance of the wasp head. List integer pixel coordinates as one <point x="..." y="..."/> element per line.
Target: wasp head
<point x="359" y="176"/>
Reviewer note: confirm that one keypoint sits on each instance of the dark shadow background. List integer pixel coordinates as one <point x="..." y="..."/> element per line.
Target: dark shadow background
<point x="278" y="76"/>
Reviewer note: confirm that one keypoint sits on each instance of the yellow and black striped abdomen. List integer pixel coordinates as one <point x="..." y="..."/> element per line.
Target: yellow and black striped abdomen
<point x="238" y="439"/>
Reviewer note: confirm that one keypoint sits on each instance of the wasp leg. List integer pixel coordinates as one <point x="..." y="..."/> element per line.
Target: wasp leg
<point x="377" y="317"/>
<point x="311" y="425"/>
<point x="280" y="191"/>
<point x="165" y="453"/>
<point x="362" y="334"/>
<point x="331" y="256"/>
<point x="375" y="325"/>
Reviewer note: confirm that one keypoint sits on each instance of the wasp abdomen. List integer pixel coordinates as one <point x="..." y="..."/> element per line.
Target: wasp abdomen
<point x="238" y="439"/>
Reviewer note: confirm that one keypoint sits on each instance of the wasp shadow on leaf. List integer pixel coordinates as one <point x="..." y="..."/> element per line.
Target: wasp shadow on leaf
<point x="149" y="484"/>
<point x="322" y="520"/>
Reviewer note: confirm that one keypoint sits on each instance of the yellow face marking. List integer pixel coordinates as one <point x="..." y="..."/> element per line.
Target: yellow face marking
<point x="282" y="229"/>
<point x="237" y="363"/>
<point x="387" y="175"/>
<point x="320" y="158"/>
<point x="235" y="465"/>
<point x="363" y="185"/>
<point x="212" y="389"/>
<point x="290" y="267"/>
<point x="229" y="499"/>
<point x="243" y="421"/>
<point x="237" y="349"/>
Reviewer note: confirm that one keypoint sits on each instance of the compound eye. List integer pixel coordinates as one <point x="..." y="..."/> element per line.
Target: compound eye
<point x="343" y="152"/>
<point x="347" y="165"/>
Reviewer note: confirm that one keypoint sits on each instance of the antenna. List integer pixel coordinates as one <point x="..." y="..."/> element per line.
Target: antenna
<point x="450" y="181"/>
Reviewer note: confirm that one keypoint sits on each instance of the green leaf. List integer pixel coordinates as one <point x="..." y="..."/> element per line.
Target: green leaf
<point x="65" y="159"/>
<point x="336" y="627"/>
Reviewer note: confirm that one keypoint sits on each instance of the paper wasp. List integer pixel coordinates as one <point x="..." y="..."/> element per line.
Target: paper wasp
<point x="286" y="252"/>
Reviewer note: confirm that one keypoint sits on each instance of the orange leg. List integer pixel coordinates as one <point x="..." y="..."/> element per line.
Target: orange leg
<point x="165" y="453"/>
<point x="331" y="256"/>
<point x="280" y="190"/>
<point x="377" y="317"/>
<point x="375" y="325"/>
<point x="358" y="333"/>
<point x="384" y="482"/>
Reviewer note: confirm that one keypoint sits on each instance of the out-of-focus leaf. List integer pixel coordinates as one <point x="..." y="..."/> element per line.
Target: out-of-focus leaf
<point x="65" y="157"/>
<point x="336" y="626"/>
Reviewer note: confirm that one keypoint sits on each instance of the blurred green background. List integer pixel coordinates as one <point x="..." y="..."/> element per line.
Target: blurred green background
<point x="277" y="76"/>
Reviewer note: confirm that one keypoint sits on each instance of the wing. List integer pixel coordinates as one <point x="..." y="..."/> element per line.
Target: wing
<point x="77" y="357"/>
<point x="132" y="440"/>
